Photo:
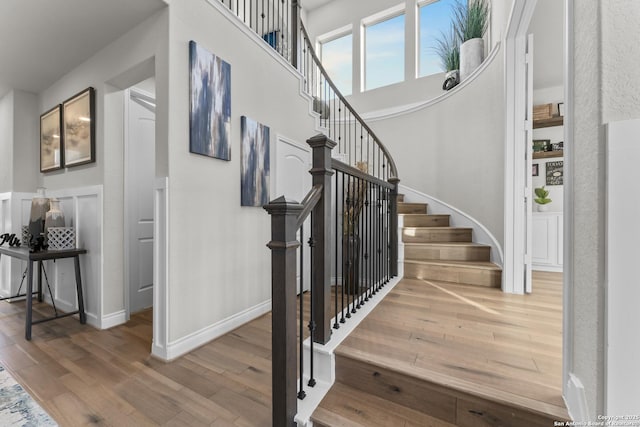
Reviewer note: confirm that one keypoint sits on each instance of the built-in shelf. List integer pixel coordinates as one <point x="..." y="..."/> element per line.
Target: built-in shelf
<point x="547" y="123"/>
<point x="547" y="154"/>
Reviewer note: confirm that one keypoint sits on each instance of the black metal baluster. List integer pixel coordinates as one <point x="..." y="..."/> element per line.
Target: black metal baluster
<point x="301" y="393"/>
<point x="312" y="325"/>
<point x="336" y="325"/>
<point x="342" y="258"/>
<point x="365" y="245"/>
<point x="347" y="260"/>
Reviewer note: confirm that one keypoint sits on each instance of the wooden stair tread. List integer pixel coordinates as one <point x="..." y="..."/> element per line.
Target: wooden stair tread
<point x="439" y="228"/>
<point x="445" y="244"/>
<point x="346" y="406"/>
<point x="483" y="265"/>
<point x="455" y="386"/>
<point x="424" y="214"/>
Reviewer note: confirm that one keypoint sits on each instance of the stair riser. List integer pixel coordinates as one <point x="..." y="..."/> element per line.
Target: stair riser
<point x="447" y="404"/>
<point x="449" y="253"/>
<point x="426" y="221"/>
<point x="425" y="235"/>
<point x="412" y="208"/>
<point x="458" y="274"/>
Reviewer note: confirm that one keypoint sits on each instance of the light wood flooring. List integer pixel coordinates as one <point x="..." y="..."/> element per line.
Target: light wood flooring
<point x="436" y="347"/>
<point x="83" y="376"/>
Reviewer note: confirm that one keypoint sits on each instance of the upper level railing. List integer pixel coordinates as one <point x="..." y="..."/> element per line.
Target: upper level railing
<point x="278" y="23"/>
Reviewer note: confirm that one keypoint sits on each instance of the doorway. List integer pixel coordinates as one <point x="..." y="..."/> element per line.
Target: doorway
<point x="139" y="178"/>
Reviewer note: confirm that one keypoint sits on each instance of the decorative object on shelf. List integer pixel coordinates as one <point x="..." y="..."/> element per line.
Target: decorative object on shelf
<point x="37" y="217"/>
<point x="542" y="198"/>
<point x="79" y="128"/>
<point x="11" y="239"/>
<point x="534" y="169"/>
<point x="209" y="104"/>
<point x="54" y="217"/>
<point x="554" y="173"/>
<point x="542" y="111"/>
<point x="541" y="145"/>
<point x="471" y="20"/>
<point x="254" y="166"/>
<point x="62" y="238"/>
<point x="561" y="109"/>
<point x="557" y="146"/>
<point x="448" y="50"/>
<point x="26" y="235"/>
<point x="51" y="154"/>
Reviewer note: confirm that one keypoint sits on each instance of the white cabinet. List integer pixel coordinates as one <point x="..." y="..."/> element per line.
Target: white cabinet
<point x="546" y="241"/>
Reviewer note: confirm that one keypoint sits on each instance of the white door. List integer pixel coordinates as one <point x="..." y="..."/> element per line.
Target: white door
<point x="528" y="190"/>
<point x="293" y="181"/>
<point x="139" y="180"/>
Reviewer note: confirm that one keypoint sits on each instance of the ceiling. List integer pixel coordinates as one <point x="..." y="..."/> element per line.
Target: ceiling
<point x="42" y="40"/>
<point x="313" y="4"/>
<point x="547" y="26"/>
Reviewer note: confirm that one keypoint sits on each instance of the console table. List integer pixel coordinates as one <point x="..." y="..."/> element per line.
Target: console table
<point x="31" y="257"/>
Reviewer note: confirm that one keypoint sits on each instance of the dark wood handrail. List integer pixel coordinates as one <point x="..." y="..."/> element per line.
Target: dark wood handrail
<point x="360" y="120"/>
<point x="309" y="202"/>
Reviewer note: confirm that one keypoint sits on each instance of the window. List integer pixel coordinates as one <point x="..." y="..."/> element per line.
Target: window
<point x="337" y="60"/>
<point x="435" y="19"/>
<point x="384" y="52"/>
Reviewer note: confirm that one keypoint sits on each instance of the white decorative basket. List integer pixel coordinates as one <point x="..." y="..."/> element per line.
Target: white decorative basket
<point x="62" y="238"/>
<point x="26" y="236"/>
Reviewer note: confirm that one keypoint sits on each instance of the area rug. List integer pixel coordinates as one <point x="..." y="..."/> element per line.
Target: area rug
<point x="17" y="408"/>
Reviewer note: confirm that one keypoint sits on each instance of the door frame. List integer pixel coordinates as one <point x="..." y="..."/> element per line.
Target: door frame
<point x="148" y="101"/>
<point x="514" y="232"/>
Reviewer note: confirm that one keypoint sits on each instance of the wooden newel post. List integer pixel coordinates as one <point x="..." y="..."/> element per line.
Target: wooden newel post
<point x="284" y="244"/>
<point x="321" y="235"/>
<point x="393" y="228"/>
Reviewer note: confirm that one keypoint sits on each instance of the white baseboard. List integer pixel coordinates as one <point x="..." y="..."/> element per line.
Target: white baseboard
<point x="192" y="341"/>
<point x="549" y="268"/>
<point x="576" y="400"/>
<point x="113" y="319"/>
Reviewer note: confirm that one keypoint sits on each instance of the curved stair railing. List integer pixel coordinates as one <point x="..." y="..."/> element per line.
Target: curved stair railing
<point x="353" y="247"/>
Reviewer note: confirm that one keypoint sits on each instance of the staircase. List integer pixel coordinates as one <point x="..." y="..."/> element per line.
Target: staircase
<point x="427" y="356"/>
<point x="436" y="251"/>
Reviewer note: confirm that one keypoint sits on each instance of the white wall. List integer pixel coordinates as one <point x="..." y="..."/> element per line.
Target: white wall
<point x="453" y="150"/>
<point x="603" y="92"/>
<point x="116" y="63"/>
<point x="219" y="264"/>
<point x="6" y="142"/>
<point x="19" y="141"/>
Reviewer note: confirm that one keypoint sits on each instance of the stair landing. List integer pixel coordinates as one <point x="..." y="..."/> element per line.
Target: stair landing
<point x="463" y="355"/>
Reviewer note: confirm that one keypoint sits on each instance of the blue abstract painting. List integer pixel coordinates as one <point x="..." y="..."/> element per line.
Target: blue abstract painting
<point x="210" y="104"/>
<point x="254" y="170"/>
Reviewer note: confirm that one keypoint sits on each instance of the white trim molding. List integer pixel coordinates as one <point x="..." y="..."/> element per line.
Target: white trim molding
<point x="196" y="339"/>
<point x="576" y="400"/>
<point x="113" y="319"/>
<point x="159" y="346"/>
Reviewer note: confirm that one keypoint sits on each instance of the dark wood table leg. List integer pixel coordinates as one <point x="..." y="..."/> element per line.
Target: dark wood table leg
<point x="39" y="281"/>
<point x="83" y="316"/>
<point x="29" y="296"/>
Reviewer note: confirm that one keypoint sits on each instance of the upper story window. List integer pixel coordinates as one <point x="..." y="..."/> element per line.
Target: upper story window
<point x="384" y="52"/>
<point x="434" y="20"/>
<point x="337" y="59"/>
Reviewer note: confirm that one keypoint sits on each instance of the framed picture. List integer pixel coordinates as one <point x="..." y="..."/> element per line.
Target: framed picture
<point x="541" y="145"/>
<point x="79" y="128"/>
<point x="209" y="104"/>
<point x="254" y="168"/>
<point x="51" y="155"/>
<point x="554" y="173"/>
<point x="534" y="169"/>
<point x="561" y="109"/>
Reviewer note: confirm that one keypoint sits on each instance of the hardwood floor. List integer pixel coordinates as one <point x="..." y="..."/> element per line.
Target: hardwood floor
<point x="83" y="376"/>
<point x="441" y="347"/>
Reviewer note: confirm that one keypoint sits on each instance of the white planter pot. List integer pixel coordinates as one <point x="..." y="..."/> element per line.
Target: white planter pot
<point x="471" y="56"/>
<point x="543" y="208"/>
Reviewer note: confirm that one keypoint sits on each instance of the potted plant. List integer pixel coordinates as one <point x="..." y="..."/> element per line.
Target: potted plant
<point x="541" y="198"/>
<point x="471" y="21"/>
<point x="448" y="50"/>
